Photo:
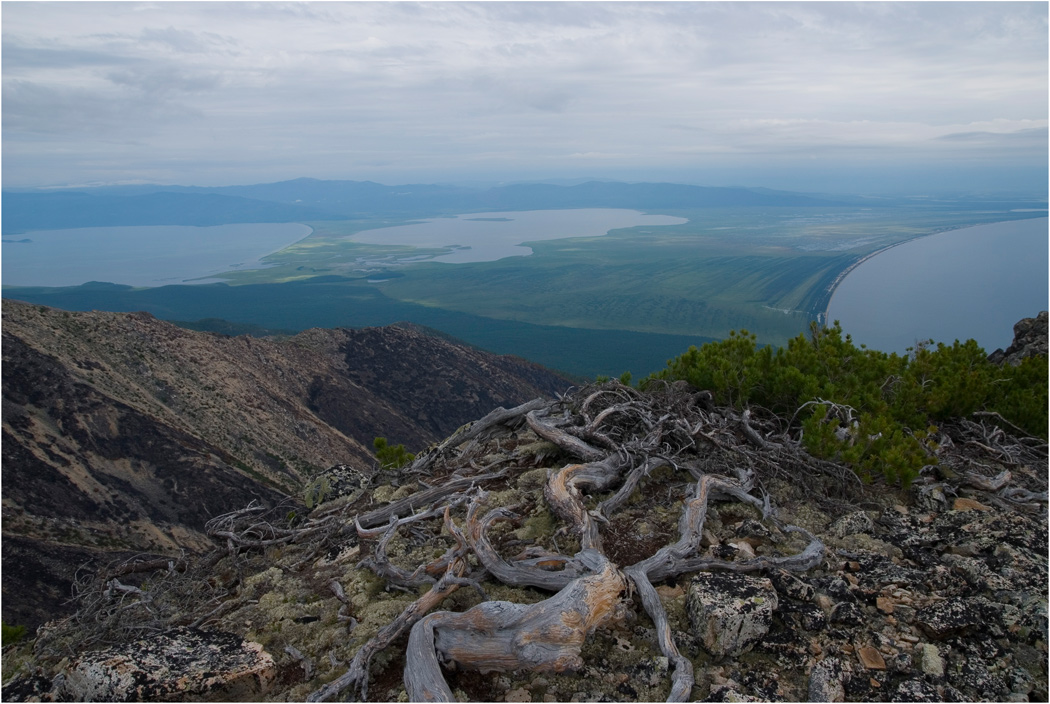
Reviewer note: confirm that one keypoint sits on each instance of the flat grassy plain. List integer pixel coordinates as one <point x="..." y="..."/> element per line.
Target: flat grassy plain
<point x="626" y="301"/>
<point x="768" y="270"/>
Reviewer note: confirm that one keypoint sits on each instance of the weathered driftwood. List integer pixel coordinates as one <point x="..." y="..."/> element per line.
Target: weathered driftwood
<point x="752" y="435"/>
<point x="548" y="635"/>
<point x="240" y="529"/>
<point x="630" y="483"/>
<point x="682" y="679"/>
<point x="563" y="494"/>
<point x="395" y="520"/>
<point x="357" y="674"/>
<point x="423" y="574"/>
<point x="570" y="443"/>
<point x="494" y="635"/>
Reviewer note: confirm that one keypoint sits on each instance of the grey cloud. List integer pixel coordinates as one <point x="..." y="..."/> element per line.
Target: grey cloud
<point x="73" y="112"/>
<point x="68" y="111"/>
<point x="184" y="40"/>
<point x="163" y="80"/>
<point x="1036" y="137"/>
<point x="512" y="86"/>
<point x="30" y="57"/>
<point x="546" y="96"/>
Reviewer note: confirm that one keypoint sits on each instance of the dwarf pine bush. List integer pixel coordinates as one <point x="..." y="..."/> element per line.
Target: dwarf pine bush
<point x="892" y="401"/>
<point x="391" y="456"/>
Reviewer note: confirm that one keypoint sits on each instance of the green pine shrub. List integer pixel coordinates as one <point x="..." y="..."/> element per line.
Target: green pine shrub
<point x="875" y="411"/>
<point x="391" y="456"/>
<point x="11" y="634"/>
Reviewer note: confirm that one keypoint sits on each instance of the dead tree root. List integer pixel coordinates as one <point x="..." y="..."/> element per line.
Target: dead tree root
<point x="616" y="438"/>
<point x="610" y="455"/>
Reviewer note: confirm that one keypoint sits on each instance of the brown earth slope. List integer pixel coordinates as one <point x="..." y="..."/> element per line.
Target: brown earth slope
<point x="125" y="434"/>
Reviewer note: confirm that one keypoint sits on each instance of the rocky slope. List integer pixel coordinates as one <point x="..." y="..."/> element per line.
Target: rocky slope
<point x="790" y="580"/>
<point x="1030" y="339"/>
<point x="124" y="434"/>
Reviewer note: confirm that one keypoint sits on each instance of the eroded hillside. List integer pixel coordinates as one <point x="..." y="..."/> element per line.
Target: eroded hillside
<point x="124" y="434"/>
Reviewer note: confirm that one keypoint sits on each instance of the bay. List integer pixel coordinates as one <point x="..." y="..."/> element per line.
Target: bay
<point x="974" y="282"/>
<point x="153" y="255"/>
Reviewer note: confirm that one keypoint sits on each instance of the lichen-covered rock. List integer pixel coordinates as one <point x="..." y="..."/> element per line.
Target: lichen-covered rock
<point x="791" y="586"/>
<point x="959" y="617"/>
<point x="336" y="481"/>
<point x="730" y="612"/>
<point x="847" y="613"/>
<point x="825" y="681"/>
<point x="917" y="690"/>
<point x="930" y="661"/>
<point x="851" y="523"/>
<point x="727" y="693"/>
<point x="171" y="666"/>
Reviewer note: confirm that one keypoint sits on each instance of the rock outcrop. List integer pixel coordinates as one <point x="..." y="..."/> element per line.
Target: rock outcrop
<point x="1030" y="339"/>
<point x="183" y="664"/>
<point x="730" y="612"/>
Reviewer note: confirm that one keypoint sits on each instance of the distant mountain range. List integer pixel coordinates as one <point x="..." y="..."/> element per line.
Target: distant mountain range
<point x="308" y="199"/>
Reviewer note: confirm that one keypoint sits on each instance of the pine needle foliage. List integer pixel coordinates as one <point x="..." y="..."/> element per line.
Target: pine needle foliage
<point x="391" y="456"/>
<point x="12" y="634"/>
<point x="876" y="411"/>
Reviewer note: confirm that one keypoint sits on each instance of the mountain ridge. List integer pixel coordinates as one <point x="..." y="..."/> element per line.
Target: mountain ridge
<point x="307" y="199"/>
<point x="124" y="433"/>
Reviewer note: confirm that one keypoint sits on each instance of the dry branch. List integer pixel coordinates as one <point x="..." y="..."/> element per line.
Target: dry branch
<point x="423" y="498"/>
<point x="552" y="572"/>
<point x="499" y="417"/>
<point x="570" y="443"/>
<point x="614" y="437"/>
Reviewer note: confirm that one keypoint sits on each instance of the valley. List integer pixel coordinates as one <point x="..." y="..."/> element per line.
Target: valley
<point x="582" y="301"/>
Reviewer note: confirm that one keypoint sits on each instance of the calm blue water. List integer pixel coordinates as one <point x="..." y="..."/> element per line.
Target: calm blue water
<point x="487" y="237"/>
<point x="962" y="284"/>
<point x="141" y="256"/>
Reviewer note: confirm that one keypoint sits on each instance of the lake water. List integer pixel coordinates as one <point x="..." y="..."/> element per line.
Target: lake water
<point x="970" y="283"/>
<point x="486" y="237"/>
<point x="141" y="256"/>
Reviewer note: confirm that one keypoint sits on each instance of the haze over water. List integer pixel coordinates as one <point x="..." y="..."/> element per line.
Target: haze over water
<point x="970" y="283"/>
<point x="149" y="255"/>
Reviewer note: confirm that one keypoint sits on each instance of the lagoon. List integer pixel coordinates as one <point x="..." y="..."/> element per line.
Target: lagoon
<point x="487" y="237"/>
<point x="974" y="282"/>
<point x="154" y="255"/>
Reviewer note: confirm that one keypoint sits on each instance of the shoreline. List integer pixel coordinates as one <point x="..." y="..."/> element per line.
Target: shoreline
<point x="834" y="285"/>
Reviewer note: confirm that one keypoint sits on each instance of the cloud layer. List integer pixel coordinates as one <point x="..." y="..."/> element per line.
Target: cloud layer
<point x="218" y="93"/>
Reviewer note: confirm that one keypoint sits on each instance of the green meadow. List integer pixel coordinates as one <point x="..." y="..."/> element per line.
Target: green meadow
<point x="768" y="270"/>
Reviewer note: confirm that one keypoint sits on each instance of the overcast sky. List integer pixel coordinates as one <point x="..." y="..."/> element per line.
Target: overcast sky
<point x="810" y="96"/>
